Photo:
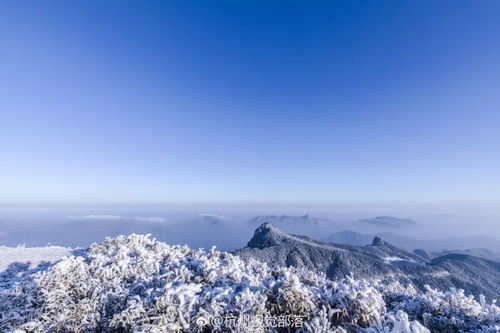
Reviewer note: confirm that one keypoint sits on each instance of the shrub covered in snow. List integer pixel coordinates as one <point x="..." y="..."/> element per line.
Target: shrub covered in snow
<point x="137" y="284"/>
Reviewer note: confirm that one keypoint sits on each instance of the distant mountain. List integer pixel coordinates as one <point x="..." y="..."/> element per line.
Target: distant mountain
<point x="463" y="243"/>
<point x="303" y="224"/>
<point x="476" y="242"/>
<point x="350" y="237"/>
<point x="480" y="253"/>
<point x="389" y="222"/>
<point x="424" y="254"/>
<point x="355" y="238"/>
<point x="210" y="220"/>
<point x="380" y="260"/>
<point x="286" y="220"/>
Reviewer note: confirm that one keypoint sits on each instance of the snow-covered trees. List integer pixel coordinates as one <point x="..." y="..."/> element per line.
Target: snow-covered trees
<point x="137" y="284"/>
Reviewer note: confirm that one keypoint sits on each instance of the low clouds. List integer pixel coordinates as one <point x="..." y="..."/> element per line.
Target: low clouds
<point x="94" y="217"/>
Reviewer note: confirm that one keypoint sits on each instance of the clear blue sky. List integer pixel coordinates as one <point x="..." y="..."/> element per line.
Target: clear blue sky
<point x="164" y="101"/>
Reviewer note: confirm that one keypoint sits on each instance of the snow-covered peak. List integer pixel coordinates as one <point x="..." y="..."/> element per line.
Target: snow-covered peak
<point x="266" y="235"/>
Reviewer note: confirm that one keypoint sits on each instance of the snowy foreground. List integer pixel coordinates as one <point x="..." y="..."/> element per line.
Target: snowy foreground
<point x="33" y="255"/>
<point x="18" y="261"/>
<point x="137" y="284"/>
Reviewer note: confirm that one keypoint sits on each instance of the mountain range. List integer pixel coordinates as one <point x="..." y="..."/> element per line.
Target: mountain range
<point x="480" y="245"/>
<point x="207" y="230"/>
<point x="380" y="260"/>
<point x="389" y="222"/>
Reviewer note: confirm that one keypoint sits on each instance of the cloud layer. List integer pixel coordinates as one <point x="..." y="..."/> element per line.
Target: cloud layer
<point x="94" y="217"/>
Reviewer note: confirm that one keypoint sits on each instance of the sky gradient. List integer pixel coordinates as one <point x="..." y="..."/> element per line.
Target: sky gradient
<point x="228" y="101"/>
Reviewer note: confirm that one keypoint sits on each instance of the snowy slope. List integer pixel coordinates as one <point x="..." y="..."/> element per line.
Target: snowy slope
<point x="16" y="262"/>
<point x="32" y="255"/>
<point x="136" y="284"/>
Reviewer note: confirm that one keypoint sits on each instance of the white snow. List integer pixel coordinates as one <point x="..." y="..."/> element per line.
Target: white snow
<point x="389" y="259"/>
<point x="441" y="274"/>
<point x="137" y="284"/>
<point x="30" y="255"/>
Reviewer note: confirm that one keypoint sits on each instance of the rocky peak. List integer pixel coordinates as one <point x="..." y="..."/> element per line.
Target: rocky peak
<point x="266" y="235"/>
<point x="377" y="241"/>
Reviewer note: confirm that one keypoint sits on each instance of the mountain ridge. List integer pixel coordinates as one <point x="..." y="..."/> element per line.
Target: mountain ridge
<point x="380" y="260"/>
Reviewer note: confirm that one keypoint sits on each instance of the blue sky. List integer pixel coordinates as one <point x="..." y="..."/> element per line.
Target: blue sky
<point x="249" y="101"/>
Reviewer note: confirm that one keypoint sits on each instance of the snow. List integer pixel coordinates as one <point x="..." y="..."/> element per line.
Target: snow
<point x="397" y="261"/>
<point x="305" y="241"/>
<point x="138" y="284"/>
<point x="390" y="259"/>
<point x="18" y="261"/>
<point x="31" y="255"/>
<point x="441" y="274"/>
